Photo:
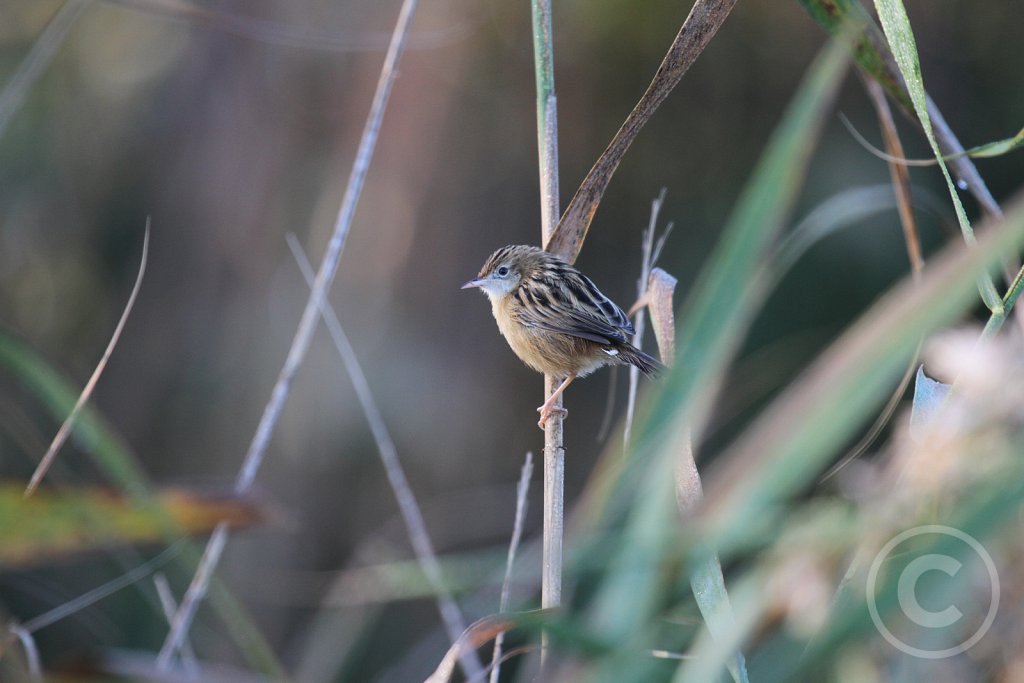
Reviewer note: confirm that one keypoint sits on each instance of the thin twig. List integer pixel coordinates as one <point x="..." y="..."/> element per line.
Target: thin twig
<point x="303" y="334"/>
<point x="38" y="58"/>
<point x="69" y="421"/>
<point x="646" y="262"/>
<point x="517" y="533"/>
<point x="407" y="505"/>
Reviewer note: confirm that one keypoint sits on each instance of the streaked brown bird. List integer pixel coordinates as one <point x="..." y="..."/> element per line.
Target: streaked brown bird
<point x="555" y="318"/>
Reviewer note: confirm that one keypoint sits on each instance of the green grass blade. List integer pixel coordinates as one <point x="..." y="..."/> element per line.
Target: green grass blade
<point x="792" y="440"/>
<point x="999" y="147"/>
<point x="713" y="323"/>
<point x="896" y="26"/>
<point x="112" y="454"/>
<point x="716" y="316"/>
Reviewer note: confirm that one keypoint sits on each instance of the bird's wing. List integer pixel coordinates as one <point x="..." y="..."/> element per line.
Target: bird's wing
<point x="573" y="305"/>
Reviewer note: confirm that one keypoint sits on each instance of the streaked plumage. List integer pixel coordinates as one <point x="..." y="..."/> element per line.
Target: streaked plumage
<point x="555" y="318"/>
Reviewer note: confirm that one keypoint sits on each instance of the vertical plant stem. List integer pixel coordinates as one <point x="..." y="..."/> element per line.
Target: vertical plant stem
<point x="547" y="116"/>
<point x="554" y="452"/>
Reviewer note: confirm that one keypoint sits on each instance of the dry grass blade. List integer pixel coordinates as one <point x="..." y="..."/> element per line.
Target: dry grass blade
<point x="704" y="20"/>
<point x="477" y="635"/>
<point x="69" y="422"/>
<point x="900" y="176"/>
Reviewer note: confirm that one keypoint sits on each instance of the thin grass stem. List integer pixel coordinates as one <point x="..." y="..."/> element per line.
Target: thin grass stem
<point x="646" y="262"/>
<point x="454" y="622"/>
<point x="69" y="421"/>
<point x="303" y="334"/>
<point x="506" y="585"/>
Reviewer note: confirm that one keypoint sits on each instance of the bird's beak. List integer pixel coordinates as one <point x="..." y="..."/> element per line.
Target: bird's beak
<point x="474" y="283"/>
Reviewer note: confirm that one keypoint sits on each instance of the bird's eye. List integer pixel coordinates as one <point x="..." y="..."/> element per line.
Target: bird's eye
<point x="503" y="271"/>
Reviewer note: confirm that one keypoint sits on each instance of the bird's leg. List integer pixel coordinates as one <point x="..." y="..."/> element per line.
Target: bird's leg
<point x="548" y="409"/>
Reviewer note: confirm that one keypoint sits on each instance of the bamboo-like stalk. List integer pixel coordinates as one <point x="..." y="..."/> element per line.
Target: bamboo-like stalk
<point x="554" y="451"/>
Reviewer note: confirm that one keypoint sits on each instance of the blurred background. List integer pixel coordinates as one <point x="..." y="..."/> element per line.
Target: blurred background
<point x="229" y="135"/>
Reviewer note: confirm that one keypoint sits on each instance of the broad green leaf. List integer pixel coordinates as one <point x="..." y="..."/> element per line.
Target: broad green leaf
<point x="57" y="523"/>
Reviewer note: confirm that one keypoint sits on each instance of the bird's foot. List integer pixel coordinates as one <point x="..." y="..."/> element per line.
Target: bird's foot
<point x="546" y="411"/>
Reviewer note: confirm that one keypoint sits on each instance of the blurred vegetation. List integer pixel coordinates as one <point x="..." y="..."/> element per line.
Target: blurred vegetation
<point x="229" y="141"/>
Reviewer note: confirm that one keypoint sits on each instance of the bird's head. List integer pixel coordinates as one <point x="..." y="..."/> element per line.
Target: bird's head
<point x="505" y="269"/>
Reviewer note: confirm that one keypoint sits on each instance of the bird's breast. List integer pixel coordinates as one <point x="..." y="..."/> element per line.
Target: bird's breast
<point x="545" y="351"/>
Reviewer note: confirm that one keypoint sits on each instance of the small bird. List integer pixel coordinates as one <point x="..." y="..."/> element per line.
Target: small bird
<point x="555" y="318"/>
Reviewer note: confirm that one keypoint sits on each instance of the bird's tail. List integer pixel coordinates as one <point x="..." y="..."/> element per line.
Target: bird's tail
<point x="648" y="365"/>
